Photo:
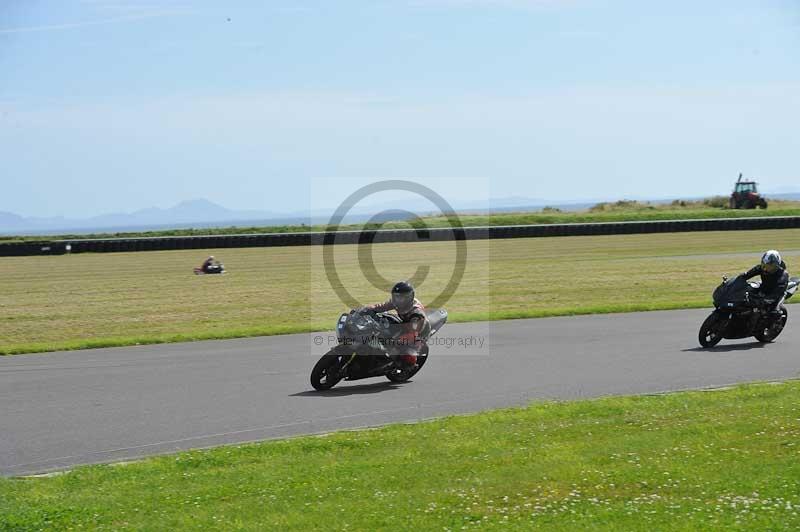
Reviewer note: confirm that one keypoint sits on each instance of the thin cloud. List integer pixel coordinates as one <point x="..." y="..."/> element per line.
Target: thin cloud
<point x="515" y="4"/>
<point x="73" y="25"/>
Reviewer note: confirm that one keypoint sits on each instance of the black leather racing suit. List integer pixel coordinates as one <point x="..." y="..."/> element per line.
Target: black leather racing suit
<point x="773" y="285"/>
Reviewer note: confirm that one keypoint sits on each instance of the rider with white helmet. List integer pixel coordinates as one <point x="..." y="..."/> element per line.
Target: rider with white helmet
<point x="774" y="277"/>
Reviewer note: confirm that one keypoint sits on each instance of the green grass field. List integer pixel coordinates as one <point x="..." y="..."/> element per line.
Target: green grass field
<point x="91" y="300"/>
<point x="719" y="460"/>
<point x="622" y="211"/>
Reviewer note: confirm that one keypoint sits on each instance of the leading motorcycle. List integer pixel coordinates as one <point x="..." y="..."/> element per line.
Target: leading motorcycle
<point x="739" y="314"/>
<point x="363" y="349"/>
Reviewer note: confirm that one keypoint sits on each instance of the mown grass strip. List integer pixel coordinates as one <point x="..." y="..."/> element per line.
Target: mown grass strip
<point x="685" y="461"/>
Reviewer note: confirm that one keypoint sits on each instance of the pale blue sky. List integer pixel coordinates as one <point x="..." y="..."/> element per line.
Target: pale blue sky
<point x="112" y="105"/>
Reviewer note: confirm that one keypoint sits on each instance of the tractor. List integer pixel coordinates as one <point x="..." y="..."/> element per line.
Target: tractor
<point x="745" y="196"/>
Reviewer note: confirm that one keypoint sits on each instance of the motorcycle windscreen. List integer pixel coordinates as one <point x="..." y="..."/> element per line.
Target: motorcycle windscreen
<point x="794" y="282"/>
<point x="733" y="291"/>
<point x="436" y="318"/>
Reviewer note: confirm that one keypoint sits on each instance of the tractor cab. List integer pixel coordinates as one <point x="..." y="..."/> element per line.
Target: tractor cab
<point x="745" y="187"/>
<point x="745" y="195"/>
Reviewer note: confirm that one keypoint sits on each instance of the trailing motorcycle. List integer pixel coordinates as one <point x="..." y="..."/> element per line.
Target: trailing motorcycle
<point x="737" y="313"/>
<point x="364" y="342"/>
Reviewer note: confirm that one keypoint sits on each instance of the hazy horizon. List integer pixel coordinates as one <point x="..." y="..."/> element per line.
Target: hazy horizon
<point x="462" y="204"/>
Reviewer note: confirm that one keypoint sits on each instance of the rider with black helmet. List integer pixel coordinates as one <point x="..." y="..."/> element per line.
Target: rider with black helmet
<point x="774" y="277"/>
<point x="412" y="313"/>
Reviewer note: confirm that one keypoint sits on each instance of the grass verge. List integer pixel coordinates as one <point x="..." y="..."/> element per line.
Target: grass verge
<point x="628" y="212"/>
<point x="685" y="461"/>
<point x="124" y="341"/>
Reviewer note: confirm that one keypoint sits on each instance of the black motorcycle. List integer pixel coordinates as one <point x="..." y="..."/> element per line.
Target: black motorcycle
<point x="740" y="314"/>
<point x="364" y="344"/>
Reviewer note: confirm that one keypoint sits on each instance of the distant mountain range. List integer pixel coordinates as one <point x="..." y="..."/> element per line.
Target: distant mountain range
<point x="201" y="213"/>
<point x="193" y="213"/>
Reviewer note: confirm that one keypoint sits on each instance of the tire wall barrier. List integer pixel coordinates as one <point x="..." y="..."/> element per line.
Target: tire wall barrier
<point x="60" y="247"/>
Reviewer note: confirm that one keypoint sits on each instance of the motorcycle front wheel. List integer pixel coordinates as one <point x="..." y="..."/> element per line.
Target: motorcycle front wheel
<point x="325" y="374"/>
<point x="769" y="334"/>
<point x="710" y="335"/>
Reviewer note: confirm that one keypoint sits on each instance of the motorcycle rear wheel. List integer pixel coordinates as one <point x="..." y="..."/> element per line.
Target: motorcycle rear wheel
<point x="769" y="334"/>
<point x="709" y="335"/>
<point x="404" y="375"/>
<point x="325" y="374"/>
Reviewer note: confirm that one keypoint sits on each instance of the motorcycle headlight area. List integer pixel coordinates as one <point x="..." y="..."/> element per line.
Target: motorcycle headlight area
<point x="360" y="323"/>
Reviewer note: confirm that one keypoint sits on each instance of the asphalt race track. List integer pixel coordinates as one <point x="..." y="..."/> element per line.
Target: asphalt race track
<point x="106" y="405"/>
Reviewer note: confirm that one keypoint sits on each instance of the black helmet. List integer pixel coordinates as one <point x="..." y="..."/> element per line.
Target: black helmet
<point x="403" y="296"/>
<point x="771" y="261"/>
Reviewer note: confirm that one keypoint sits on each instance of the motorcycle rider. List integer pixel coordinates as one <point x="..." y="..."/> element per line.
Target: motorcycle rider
<point x="207" y="264"/>
<point x="416" y="327"/>
<point x="774" y="278"/>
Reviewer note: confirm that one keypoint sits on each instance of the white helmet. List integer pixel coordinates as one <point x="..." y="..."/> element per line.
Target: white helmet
<point x="771" y="261"/>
